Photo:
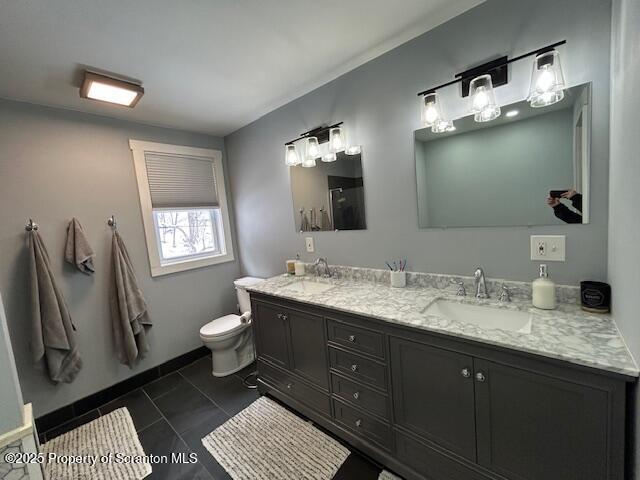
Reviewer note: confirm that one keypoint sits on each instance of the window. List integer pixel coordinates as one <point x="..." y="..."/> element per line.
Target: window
<point x="184" y="206"/>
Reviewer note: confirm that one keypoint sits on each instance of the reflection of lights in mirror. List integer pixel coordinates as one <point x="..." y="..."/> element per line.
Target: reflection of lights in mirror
<point x="443" y="126"/>
<point x="547" y="80"/>
<point x="329" y="157"/>
<point x="291" y="156"/>
<point x="512" y="113"/>
<point x="483" y="99"/>
<point x="353" y="150"/>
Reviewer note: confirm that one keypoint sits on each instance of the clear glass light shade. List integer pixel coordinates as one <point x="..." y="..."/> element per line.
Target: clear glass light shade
<point x="483" y="99"/>
<point x="329" y="157"/>
<point x="353" y="150"/>
<point x="337" y="141"/>
<point x="431" y="111"/>
<point x="547" y="80"/>
<point x="443" y="126"/>
<point x="312" y="148"/>
<point x="291" y="156"/>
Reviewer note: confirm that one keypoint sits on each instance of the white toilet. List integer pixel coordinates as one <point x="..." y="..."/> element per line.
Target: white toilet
<point x="230" y="338"/>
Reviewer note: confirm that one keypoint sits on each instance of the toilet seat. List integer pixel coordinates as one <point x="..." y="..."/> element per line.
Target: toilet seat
<point x="222" y="327"/>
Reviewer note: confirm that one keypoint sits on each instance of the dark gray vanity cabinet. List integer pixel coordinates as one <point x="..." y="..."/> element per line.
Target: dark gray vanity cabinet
<point x="434" y="407"/>
<point x="541" y="427"/>
<point x="433" y="395"/>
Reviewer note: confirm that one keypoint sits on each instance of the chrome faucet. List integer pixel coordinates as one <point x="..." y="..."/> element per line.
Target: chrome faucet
<point x="481" y="285"/>
<point x="327" y="271"/>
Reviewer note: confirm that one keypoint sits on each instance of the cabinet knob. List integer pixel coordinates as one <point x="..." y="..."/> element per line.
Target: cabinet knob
<point x="354" y="367"/>
<point x="283" y="316"/>
<point x="289" y="385"/>
<point x="480" y="377"/>
<point x="352" y="338"/>
<point x="358" y="422"/>
<point x="356" y="395"/>
<point x="465" y="372"/>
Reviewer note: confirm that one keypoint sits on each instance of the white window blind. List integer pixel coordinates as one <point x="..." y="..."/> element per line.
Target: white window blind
<point x="177" y="181"/>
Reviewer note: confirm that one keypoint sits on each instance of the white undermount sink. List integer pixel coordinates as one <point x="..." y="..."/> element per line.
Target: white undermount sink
<point x="481" y="315"/>
<point x="306" y="286"/>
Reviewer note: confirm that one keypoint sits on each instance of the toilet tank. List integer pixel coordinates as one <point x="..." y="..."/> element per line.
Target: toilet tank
<point x="243" y="296"/>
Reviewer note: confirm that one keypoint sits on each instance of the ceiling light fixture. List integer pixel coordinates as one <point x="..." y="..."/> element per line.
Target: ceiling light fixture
<point x="96" y="86"/>
<point x="547" y="87"/>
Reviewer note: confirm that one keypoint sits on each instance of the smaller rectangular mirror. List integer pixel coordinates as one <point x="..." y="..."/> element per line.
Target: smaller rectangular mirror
<point x="329" y="196"/>
<point x="530" y="166"/>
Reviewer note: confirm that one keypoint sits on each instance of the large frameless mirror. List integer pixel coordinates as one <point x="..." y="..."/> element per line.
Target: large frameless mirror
<point x="329" y="195"/>
<point x="530" y="166"/>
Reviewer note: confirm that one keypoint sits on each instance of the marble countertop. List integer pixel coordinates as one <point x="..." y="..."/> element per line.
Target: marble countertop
<point x="567" y="333"/>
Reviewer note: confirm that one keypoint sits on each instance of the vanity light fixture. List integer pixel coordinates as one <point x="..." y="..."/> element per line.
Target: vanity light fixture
<point x="547" y="80"/>
<point x="97" y="86"/>
<point x="547" y="87"/>
<point x="483" y="99"/>
<point x="311" y="152"/>
<point x="291" y="155"/>
<point x="322" y="143"/>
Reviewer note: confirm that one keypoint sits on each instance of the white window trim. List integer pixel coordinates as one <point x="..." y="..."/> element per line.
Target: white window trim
<point x="139" y="147"/>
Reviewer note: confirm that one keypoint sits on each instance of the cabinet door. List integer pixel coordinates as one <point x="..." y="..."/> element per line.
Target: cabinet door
<point x="308" y="347"/>
<point x="272" y="333"/>
<point x="535" y="427"/>
<point x="433" y="395"/>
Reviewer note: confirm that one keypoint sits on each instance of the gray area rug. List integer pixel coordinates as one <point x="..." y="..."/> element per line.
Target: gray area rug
<point x="90" y="446"/>
<point x="267" y="442"/>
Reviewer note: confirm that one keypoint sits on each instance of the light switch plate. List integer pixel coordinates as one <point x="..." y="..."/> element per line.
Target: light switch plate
<point x="548" y="248"/>
<point x="308" y="241"/>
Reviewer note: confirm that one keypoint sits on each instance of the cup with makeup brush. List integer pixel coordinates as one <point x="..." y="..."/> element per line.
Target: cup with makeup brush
<point x="398" y="275"/>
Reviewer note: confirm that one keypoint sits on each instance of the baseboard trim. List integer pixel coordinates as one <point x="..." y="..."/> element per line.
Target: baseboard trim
<point x="79" y="407"/>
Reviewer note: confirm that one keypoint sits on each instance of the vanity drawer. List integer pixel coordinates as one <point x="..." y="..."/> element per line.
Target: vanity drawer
<point x="362" y="424"/>
<point x="360" y="395"/>
<point x="291" y="385"/>
<point x="356" y="338"/>
<point x="359" y="368"/>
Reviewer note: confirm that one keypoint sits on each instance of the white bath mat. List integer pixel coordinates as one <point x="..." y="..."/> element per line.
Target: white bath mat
<point x="384" y="475"/>
<point x="83" y="453"/>
<point x="267" y="442"/>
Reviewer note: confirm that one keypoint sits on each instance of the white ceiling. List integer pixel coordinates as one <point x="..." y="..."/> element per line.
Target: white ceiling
<point x="207" y="65"/>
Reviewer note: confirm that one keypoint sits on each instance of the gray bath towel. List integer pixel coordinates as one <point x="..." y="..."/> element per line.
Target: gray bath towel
<point x="52" y="338"/>
<point x="78" y="252"/>
<point x="129" y="316"/>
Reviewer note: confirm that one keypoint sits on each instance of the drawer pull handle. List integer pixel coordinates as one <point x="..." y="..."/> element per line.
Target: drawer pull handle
<point x="480" y="377"/>
<point x="356" y="395"/>
<point x="354" y="367"/>
<point x="289" y="385"/>
<point x="465" y="372"/>
<point x="358" y="423"/>
<point x="352" y="338"/>
<point x="283" y="316"/>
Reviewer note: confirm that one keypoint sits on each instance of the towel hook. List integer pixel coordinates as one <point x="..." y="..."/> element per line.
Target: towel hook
<point x="111" y="221"/>
<point x="31" y="226"/>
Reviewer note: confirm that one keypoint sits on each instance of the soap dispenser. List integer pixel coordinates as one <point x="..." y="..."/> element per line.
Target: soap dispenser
<point x="543" y="293"/>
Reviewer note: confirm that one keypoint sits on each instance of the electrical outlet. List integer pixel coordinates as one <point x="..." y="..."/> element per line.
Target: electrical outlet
<point x="549" y="248"/>
<point x="308" y="241"/>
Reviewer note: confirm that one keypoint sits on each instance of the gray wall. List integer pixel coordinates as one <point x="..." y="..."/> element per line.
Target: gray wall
<point x="54" y="165"/>
<point x="624" y="231"/>
<point x="10" y="394"/>
<point x="380" y="109"/>
<point x="497" y="176"/>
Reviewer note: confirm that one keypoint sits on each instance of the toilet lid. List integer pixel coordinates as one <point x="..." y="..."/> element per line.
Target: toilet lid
<point x="222" y="326"/>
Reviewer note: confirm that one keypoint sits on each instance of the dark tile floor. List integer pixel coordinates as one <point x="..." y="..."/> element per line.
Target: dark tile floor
<point x="172" y="415"/>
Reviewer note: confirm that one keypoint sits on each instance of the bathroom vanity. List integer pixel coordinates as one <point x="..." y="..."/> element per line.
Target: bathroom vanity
<point x="432" y="398"/>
